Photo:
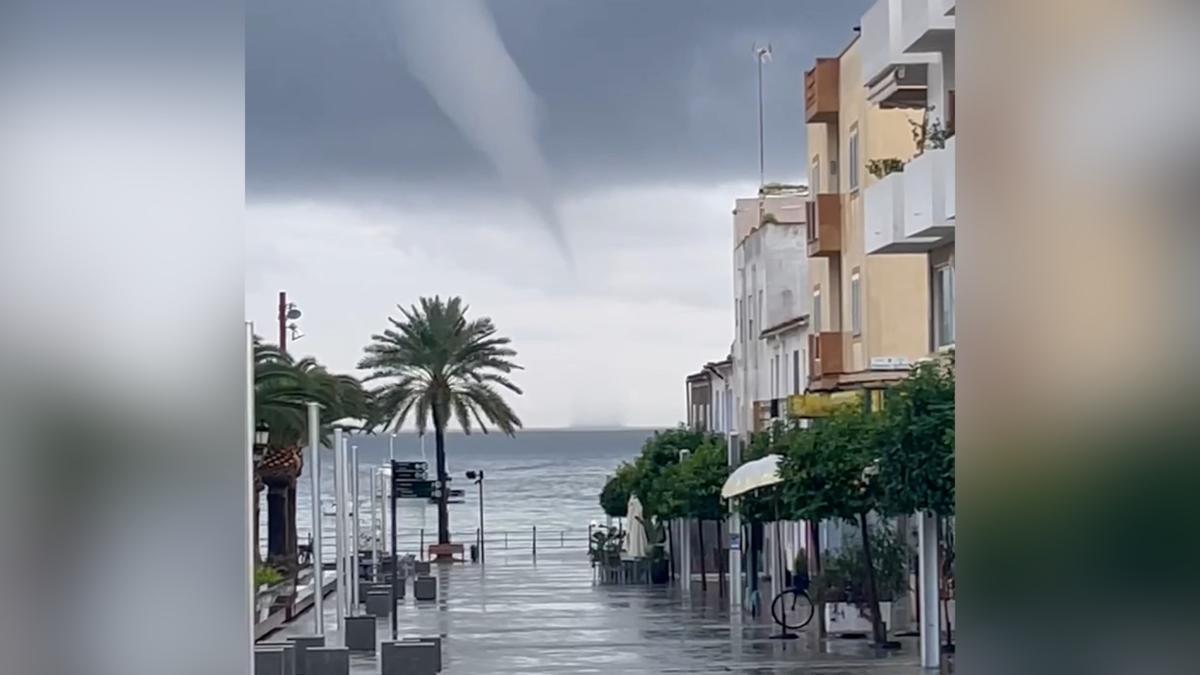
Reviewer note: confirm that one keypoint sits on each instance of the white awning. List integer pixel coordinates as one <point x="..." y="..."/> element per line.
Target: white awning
<point x="752" y="475"/>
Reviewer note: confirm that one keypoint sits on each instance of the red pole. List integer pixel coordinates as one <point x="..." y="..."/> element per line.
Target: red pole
<point x="283" y="321"/>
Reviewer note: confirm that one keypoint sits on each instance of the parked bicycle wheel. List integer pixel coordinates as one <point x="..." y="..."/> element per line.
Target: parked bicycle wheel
<point x="799" y="608"/>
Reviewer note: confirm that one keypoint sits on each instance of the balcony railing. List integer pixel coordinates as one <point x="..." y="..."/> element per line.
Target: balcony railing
<point x="825" y="354"/>
<point x="823" y="223"/>
<point x="929" y="200"/>
<point x="822" y="92"/>
<point x="883" y="215"/>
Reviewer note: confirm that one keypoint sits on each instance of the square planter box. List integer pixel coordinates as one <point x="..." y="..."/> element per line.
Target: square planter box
<point x="269" y="661"/>
<point x="437" y="648"/>
<point x="379" y="603"/>
<point x="289" y="654"/>
<point x="328" y="661"/>
<point x="360" y="633"/>
<point x="409" y="657"/>
<point x="303" y="643"/>
<point x="425" y="588"/>
<point x="843" y="617"/>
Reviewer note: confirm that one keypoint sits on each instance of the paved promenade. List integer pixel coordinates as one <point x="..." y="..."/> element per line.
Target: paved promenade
<point x="518" y="616"/>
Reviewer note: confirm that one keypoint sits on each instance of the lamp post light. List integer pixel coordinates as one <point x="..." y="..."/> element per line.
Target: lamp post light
<point x="477" y="476"/>
<point x="262" y="435"/>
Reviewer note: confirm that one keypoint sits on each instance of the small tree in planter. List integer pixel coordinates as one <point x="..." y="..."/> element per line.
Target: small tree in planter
<point x="844" y="578"/>
<point x="614" y="498"/>
<point x="828" y="474"/>
<point x="916" y="468"/>
<point x="697" y="488"/>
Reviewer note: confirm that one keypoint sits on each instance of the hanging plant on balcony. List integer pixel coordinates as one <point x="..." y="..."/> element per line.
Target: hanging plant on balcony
<point x="882" y="167"/>
<point x="929" y="133"/>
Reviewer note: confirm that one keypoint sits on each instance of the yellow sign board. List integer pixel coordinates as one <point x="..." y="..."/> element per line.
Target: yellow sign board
<point x="820" y="405"/>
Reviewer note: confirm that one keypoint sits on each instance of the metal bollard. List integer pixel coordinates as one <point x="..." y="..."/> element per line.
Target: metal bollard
<point x="506" y="541"/>
<point x="560" y="538"/>
<point x="535" y="541"/>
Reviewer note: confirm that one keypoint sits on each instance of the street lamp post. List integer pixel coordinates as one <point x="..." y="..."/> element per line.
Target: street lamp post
<point x="318" y="574"/>
<point x="477" y="476"/>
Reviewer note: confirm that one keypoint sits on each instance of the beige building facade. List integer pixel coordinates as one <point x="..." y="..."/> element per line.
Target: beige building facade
<point x="871" y="315"/>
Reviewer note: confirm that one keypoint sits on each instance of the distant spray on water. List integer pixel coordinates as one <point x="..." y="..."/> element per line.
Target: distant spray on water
<point x="454" y="49"/>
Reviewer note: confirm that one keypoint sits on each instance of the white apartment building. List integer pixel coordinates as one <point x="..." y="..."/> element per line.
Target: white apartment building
<point x="771" y="305"/>
<point x="908" y="61"/>
<point x="710" y="398"/>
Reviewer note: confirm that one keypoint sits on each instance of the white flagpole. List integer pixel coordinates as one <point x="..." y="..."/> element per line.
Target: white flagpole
<point x="339" y="489"/>
<point x="354" y="529"/>
<point x="250" y="495"/>
<point x="314" y="470"/>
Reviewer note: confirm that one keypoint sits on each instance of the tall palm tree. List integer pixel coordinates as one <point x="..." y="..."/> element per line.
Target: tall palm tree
<point x="436" y="364"/>
<point x="282" y="389"/>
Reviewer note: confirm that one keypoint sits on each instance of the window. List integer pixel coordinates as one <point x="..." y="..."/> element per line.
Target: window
<point x="816" y="310"/>
<point x="943" y="305"/>
<point x="795" y="371"/>
<point x="814" y="178"/>
<point x="853" y="158"/>
<point x="856" y="303"/>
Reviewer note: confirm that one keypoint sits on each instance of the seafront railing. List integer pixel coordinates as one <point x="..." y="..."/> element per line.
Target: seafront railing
<point x="416" y="541"/>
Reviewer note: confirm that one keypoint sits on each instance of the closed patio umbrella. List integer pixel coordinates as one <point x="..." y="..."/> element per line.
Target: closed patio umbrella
<point x="636" y="545"/>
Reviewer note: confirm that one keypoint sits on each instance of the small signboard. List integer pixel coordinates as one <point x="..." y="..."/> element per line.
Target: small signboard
<point x="735" y="541"/>
<point x="413" y="490"/>
<point x="889" y="363"/>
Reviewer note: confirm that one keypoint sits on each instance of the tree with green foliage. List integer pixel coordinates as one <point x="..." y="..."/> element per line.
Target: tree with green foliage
<point x="916" y="467"/>
<point x="614" y="498"/>
<point x="283" y="388"/>
<point x="828" y="474"/>
<point x="696" y="484"/>
<point x="440" y="366"/>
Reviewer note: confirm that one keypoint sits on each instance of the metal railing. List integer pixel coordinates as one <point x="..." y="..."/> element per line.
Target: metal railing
<point x="417" y="541"/>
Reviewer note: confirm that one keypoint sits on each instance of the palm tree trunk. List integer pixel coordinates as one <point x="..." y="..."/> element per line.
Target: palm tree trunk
<point x="443" y="485"/>
<point x="872" y="597"/>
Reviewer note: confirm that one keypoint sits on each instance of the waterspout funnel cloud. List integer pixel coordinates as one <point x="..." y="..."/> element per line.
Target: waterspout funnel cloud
<point x="454" y="50"/>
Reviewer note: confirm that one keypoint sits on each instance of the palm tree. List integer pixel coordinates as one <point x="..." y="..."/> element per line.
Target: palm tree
<point x="282" y="389"/>
<point x="434" y="364"/>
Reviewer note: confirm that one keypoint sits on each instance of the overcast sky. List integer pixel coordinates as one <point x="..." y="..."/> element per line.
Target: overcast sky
<point x="567" y="167"/>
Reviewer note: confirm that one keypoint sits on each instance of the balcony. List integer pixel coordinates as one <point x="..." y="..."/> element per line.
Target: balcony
<point x="883" y="215"/>
<point x="822" y="92"/>
<point x="925" y="27"/>
<point x="929" y="195"/>
<point x="887" y="70"/>
<point x="825" y="354"/>
<point x="823" y="222"/>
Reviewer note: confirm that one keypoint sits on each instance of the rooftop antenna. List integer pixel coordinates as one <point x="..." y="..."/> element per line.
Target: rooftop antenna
<point x="761" y="55"/>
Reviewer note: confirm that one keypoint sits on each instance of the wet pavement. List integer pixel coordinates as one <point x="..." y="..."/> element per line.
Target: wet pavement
<point x="515" y="615"/>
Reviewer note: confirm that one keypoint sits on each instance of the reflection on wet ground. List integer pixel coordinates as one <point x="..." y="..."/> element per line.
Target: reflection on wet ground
<point x="518" y="616"/>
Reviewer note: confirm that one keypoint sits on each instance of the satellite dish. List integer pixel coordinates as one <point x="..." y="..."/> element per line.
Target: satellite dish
<point x="293" y="312"/>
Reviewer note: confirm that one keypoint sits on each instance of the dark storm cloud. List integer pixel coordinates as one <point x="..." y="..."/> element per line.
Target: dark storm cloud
<point x="630" y="92"/>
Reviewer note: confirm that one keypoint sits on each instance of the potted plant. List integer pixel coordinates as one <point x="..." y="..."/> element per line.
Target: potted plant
<point x="929" y="133"/>
<point x="882" y="167"/>
<point x="841" y="585"/>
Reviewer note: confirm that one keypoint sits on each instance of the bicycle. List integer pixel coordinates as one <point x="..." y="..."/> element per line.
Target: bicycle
<point x="801" y="606"/>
